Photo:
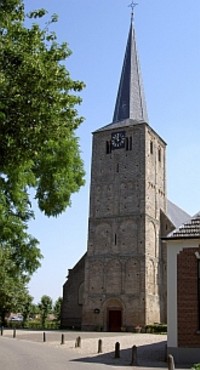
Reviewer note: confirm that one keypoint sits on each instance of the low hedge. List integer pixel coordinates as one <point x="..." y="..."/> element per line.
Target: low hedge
<point x="156" y="329"/>
<point x="36" y="325"/>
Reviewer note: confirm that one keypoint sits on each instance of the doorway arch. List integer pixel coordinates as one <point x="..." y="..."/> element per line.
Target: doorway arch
<point x="113" y="315"/>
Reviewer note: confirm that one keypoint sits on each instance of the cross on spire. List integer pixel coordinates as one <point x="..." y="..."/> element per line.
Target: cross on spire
<point x="132" y="6"/>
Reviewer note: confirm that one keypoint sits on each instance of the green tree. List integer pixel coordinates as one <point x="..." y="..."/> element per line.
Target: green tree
<point x="38" y="117"/>
<point x="34" y="310"/>
<point x="38" y="146"/>
<point x="15" y="273"/>
<point x="45" y="308"/>
<point x="27" y="306"/>
<point x="57" y="309"/>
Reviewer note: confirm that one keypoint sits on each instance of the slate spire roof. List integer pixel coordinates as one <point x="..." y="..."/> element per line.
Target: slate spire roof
<point x="130" y="102"/>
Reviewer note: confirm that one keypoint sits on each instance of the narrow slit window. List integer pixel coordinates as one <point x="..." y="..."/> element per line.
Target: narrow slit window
<point x="151" y="147"/>
<point x="117" y="167"/>
<point x="108" y="147"/>
<point x="131" y="143"/>
<point x="126" y="143"/>
<point x="159" y="155"/>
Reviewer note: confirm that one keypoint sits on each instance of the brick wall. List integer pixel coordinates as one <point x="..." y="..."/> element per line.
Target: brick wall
<point x="187" y="298"/>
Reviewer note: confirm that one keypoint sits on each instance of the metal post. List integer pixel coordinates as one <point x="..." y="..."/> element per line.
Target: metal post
<point x="44" y="337"/>
<point x="170" y="362"/>
<point x="2" y="330"/>
<point x="78" y="342"/>
<point x="134" y="360"/>
<point x="117" y="350"/>
<point x="62" y="339"/>
<point x="14" y="333"/>
<point x="100" y="346"/>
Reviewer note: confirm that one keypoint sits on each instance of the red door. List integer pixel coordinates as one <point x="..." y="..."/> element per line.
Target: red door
<point x="115" y="320"/>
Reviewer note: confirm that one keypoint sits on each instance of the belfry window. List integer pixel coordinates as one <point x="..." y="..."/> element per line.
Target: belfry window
<point x="108" y="147"/>
<point x="129" y="143"/>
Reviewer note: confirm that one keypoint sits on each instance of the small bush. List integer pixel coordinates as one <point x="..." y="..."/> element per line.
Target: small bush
<point x="36" y="325"/>
<point x="14" y="324"/>
<point x="195" y="367"/>
<point x="156" y="329"/>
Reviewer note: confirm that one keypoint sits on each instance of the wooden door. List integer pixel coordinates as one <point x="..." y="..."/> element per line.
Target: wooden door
<point x="114" y="320"/>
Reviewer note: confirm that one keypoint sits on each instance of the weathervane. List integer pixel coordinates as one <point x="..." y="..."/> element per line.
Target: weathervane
<point x="132" y="6"/>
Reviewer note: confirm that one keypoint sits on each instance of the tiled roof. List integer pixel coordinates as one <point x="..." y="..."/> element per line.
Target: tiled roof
<point x="190" y="229"/>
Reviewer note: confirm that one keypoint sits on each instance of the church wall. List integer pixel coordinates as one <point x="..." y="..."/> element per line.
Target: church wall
<point x="73" y="296"/>
<point x="117" y="186"/>
<point x="116" y="230"/>
<point x="113" y="279"/>
<point x="155" y="183"/>
<point x="165" y="228"/>
<point x="123" y="263"/>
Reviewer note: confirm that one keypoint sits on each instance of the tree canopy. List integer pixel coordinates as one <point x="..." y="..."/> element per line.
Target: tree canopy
<point x="38" y="117"/>
<point x="45" y="308"/>
<point x="39" y="149"/>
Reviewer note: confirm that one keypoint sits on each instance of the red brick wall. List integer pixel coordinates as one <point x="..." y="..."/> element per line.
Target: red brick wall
<point x="187" y="298"/>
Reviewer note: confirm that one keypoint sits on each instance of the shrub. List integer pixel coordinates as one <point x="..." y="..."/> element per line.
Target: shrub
<point x="156" y="329"/>
<point x="36" y="325"/>
<point x="196" y="367"/>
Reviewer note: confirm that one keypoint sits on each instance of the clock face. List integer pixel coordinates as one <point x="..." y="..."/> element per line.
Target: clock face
<point x="118" y="139"/>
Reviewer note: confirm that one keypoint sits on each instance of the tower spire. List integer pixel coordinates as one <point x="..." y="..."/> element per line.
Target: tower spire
<point x="130" y="102"/>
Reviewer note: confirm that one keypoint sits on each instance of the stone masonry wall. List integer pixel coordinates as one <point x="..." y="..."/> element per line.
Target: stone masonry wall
<point x="73" y="296"/>
<point x="155" y="201"/>
<point x="124" y="229"/>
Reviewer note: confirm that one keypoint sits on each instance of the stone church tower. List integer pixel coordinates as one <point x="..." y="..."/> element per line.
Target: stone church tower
<point x="121" y="281"/>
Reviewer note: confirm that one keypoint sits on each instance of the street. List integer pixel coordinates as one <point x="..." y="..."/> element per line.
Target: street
<point x="28" y="352"/>
<point x="23" y="355"/>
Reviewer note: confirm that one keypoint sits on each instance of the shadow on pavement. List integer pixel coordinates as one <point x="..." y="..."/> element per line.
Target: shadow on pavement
<point x="150" y="355"/>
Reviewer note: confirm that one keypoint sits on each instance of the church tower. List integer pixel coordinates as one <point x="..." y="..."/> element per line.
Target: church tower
<point x="123" y="279"/>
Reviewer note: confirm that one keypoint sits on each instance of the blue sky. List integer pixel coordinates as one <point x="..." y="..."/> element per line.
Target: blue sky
<point x="168" y="40"/>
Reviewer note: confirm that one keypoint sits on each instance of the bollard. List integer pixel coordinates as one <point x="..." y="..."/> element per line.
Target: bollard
<point x="78" y="342"/>
<point x="14" y="333"/>
<point x="100" y="346"/>
<point x="134" y="360"/>
<point x="44" y="337"/>
<point x="170" y="362"/>
<point x="117" y="350"/>
<point x="62" y="339"/>
<point x="2" y="330"/>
